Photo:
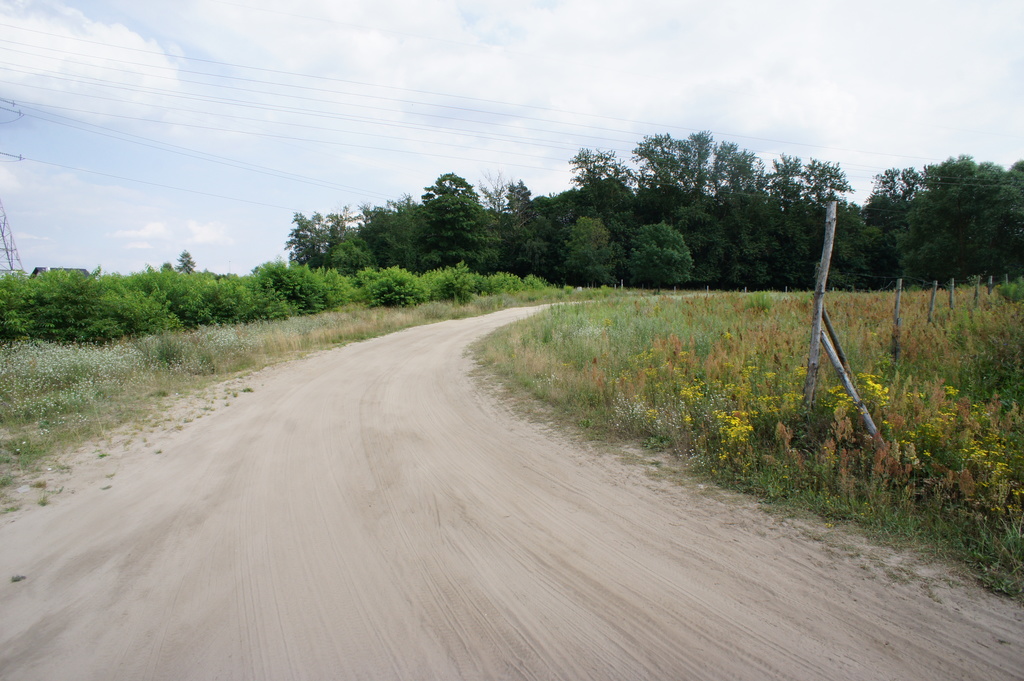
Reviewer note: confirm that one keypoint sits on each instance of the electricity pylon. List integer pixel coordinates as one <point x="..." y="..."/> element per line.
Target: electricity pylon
<point x="11" y="261"/>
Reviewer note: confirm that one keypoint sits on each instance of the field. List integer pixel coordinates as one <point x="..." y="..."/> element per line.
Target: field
<point x="717" y="381"/>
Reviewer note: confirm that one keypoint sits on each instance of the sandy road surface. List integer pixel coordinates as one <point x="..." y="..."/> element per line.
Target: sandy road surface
<point x="368" y="513"/>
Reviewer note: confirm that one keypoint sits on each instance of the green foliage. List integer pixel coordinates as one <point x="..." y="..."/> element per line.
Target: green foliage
<point x="15" y="306"/>
<point x="589" y="253"/>
<point x="453" y="224"/>
<point x="391" y="287"/>
<point x="659" y="257"/>
<point x="312" y="239"/>
<point x="534" y="283"/>
<point x="299" y="287"/>
<point x="456" y="284"/>
<point x="501" y="282"/>
<point x="965" y="221"/>
<point x="186" y="264"/>
<point x="205" y="298"/>
<point x="350" y="256"/>
<point x="391" y="232"/>
<point x="1013" y="290"/>
<point x="69" y="307"/>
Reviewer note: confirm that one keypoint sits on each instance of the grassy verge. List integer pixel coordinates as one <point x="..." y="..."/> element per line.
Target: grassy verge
<point x="717" y="381"/>
<point x="54" y="397"/>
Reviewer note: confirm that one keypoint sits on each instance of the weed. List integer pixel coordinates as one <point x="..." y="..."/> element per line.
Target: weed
<point x="759" y="301"/>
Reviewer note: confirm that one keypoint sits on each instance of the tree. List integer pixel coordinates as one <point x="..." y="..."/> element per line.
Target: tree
<point x="390" y="232"/>
<point x="312" y="239"/>
<point x="660" y="256"/>
<point x="824" y="182"/>
<point x="454" y="226"/>
<point x="186" y="265"/>
<point x="351" y="256"/>
<point x="886" y="214"/>
<point x="967" y="220"/>
<point x="593" y="166"/>
<point x="589" y="258"/>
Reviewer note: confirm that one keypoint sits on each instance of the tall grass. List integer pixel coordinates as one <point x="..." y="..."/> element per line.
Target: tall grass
<point x="718" y="381"/>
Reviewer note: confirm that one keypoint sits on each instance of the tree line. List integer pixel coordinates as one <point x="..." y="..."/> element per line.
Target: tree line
<point x="690" y="212"/>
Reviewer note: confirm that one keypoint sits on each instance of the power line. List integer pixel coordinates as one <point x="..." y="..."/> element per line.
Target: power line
<point x="461" y="97"/>
<point x="158" y="184"/>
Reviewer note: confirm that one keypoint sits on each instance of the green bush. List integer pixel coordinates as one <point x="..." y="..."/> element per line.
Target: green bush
<point x="338" y="289"/>
<point x="457" y="284"/>
<point x="502" y="282"/>
<point x="298" y="286"/>
<point x="534" y="283"/>
<point x="67" y="306"/>
<point x="15" y="302"/>
<point x="1013" y="290"/>
<point x="391" y="287"/>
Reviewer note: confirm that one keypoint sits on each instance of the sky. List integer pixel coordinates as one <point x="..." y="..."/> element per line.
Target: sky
<point x="131" y="131"/>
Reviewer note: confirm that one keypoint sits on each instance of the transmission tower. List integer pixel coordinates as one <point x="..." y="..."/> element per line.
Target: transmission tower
<point x="11" y="261"/>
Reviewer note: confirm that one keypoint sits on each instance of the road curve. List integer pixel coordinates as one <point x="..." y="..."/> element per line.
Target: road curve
<point x="371" y="513"/>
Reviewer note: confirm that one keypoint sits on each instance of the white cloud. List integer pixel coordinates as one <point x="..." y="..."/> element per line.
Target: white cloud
<point x="24" y="236"/>
<point x="152" y="230"/>
<point x="212" y="233"/>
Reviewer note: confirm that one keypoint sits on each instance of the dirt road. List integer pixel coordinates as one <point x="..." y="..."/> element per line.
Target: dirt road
<point x="371" y="513"/>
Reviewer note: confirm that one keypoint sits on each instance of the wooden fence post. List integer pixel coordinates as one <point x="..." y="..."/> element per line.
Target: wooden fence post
<point x="814" y="356"/>
<point x="990" y="285"/>
<point x="897" y="322"/>
<point x="977" y="290"/>
<point x="931" y="305"/>
<point x="952" y="293"/>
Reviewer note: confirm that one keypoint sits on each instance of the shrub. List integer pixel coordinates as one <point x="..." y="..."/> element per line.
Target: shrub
<point x="454" y="283"/>
<point x="502" y="282"/>
<point x="338" y="289"/>
<point x="15" y="295"/>
<point x="534" y="283"/>
<point x="1013" y="290"/>
<point x="297" y="285"/>
<point x="391" y="287"/>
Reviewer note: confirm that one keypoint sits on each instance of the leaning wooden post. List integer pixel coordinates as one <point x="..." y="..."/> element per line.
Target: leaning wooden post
<point x="931" y="305"/>
<point x="897" y="322"/>
<point x="952" y="293"/>
<point x="990" y="284"/>
<point x="831" y="332"/>
<point x="846" y="378"/>
<point x="814" y="357"/>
